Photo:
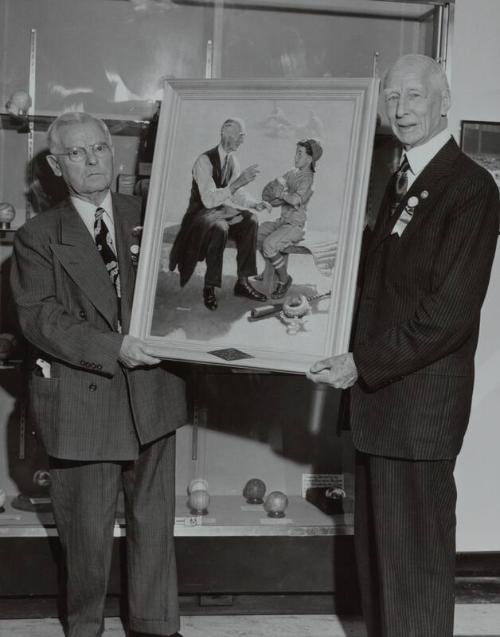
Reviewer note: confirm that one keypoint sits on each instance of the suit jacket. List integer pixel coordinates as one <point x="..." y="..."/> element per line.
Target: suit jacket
<point x="91" y="408"/>
<point x="417" y="320"/>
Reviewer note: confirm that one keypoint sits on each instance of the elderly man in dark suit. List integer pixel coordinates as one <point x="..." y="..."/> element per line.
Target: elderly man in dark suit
<point x="220" y="208"/>
<point x="424" y="273"/>
<point x="106" y="407"/>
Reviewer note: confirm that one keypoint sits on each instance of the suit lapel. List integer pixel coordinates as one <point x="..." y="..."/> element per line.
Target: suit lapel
<point x="79" y="257"/>
<point x="426" y="189"/>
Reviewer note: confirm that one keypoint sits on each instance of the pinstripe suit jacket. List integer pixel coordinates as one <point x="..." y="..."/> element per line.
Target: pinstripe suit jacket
<point x="91" y="408"/>
<point x="417" y="318"/>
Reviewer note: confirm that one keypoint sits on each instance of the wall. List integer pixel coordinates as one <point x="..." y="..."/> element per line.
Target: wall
<point x="475" y="85"/>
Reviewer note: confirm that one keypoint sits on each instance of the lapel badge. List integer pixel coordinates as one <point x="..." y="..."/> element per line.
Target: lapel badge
<point x="412" y="204"/>
<point x="406" y="216"/>
<point x="135" y="247"/>
<point x="134" y="254"/>
<point x="424" y="194"/>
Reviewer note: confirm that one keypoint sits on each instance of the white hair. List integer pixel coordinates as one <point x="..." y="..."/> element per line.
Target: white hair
<point x="433" y="67"/>
<point x="230" y="121"/>
<point x="70" y="118"/>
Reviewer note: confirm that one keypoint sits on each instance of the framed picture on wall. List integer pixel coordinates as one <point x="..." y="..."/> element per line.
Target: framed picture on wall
<point x="481" y="141"/>
<point x="312" y="319"/>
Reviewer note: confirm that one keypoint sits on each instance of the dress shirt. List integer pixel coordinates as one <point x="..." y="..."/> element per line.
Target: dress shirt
<point x="211" y="196"/>
<point x="419" y="156"/>
<point x="86" y="210"/>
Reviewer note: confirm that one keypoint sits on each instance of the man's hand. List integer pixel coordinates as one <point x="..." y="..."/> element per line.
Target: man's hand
<point x="133" y="353"/>
<point x="245" y="177"/>
<point x="338" y="371"/>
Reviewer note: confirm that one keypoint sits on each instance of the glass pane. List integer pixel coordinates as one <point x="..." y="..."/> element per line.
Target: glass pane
<point x="321" y="39"/>
<point x="277" y="431"/>
<point x="112" y="65"/>
<point x="267" y="454"/>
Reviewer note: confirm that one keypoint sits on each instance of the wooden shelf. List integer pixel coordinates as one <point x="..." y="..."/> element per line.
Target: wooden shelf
<point x="228" y="516"/>
<point x="120" y="127"/>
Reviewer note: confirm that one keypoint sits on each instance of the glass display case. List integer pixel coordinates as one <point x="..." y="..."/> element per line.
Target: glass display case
<point x="263" y="457"/>
<point x="265" y="453"/>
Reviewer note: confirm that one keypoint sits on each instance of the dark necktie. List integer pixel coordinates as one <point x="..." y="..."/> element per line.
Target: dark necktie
<point x="105" y="246"/>
<point x="400" y="185"/>
<point x="225" y="171"/>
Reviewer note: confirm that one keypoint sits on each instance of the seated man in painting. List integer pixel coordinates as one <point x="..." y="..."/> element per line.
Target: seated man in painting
<point x="220" y="208"/>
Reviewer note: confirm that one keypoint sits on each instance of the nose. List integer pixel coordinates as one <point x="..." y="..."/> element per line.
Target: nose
<point x="402" y="106"/>
<point x="91" y="156"/>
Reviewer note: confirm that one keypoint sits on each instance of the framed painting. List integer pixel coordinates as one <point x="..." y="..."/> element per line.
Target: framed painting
<point x="274" y="240"/>
<point x="481" y="141"/>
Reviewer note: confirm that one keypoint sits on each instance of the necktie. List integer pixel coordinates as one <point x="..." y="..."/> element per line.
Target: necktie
<point x="400" y="185"/>
<point x="225" y="171"/>
<point x="105" y="246"/>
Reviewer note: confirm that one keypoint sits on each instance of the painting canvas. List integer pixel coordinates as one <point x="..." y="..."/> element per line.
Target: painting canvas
<point x="312" y="320"/>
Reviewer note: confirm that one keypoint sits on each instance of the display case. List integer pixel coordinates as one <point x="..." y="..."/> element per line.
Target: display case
<point x="265" y="454"/>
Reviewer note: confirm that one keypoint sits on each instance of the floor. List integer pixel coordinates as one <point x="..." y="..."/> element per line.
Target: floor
<point x="180" y="316"/>
<point x="470" y="620"/>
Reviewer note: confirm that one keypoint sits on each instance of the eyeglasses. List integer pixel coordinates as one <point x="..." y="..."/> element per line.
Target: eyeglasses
<point x="81" y="153"/>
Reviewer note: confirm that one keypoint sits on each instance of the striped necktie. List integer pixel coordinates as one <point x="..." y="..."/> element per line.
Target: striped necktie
<point x="105" y="246"/>
<point x="400" y="185"/>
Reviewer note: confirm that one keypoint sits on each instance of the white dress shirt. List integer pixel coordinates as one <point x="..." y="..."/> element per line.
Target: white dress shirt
<point x="86" y="210"/>
<point x="419" y="156"/>
<point x="211" y="196"/>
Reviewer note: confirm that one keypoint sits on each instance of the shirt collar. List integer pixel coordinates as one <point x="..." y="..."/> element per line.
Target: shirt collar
<point x="419" y="156"/>
<point x="86" y="210"/>
<point x="85" y="207"/>
<point x="222" y="154"/>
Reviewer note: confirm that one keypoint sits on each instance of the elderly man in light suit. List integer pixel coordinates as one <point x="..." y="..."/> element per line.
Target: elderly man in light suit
<point x="424" y="272"/>
<point x="106" y="407"/>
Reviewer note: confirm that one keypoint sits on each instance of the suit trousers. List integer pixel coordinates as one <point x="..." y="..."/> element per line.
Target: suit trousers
<point x="405" y="545"/>
<point x="84" y="497"/>
<point x="244" y="233"/>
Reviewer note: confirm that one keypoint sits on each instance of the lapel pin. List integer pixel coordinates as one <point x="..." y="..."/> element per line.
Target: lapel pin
<point x="406" y="216"/>
<point x="134" y="254"/>
<point x="424" y="194"/>
<point x="413" y="203"/>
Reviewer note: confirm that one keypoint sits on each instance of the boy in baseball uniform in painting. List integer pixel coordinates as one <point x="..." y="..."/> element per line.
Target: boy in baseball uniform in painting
<point x="292" y="192"/>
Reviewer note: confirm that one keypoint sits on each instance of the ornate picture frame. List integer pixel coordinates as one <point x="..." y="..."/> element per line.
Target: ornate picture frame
<point x="313" y="320"/>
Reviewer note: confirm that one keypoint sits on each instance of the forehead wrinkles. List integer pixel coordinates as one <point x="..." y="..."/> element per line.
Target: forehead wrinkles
<point x="409" y="76"/>
<point x="81" y="135"/>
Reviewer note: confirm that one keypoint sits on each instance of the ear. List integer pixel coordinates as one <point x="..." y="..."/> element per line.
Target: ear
<point x="445" y="103"/>
<point x="54" y="164"/>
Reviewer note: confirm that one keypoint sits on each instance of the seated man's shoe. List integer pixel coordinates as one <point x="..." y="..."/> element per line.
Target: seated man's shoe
<point x="246" y="290"/>
<point x="281" y="288"/>
<point x="209" y="297"/>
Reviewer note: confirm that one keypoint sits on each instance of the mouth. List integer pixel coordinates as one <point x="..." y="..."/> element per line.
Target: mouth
<point x="405" y="127"/>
